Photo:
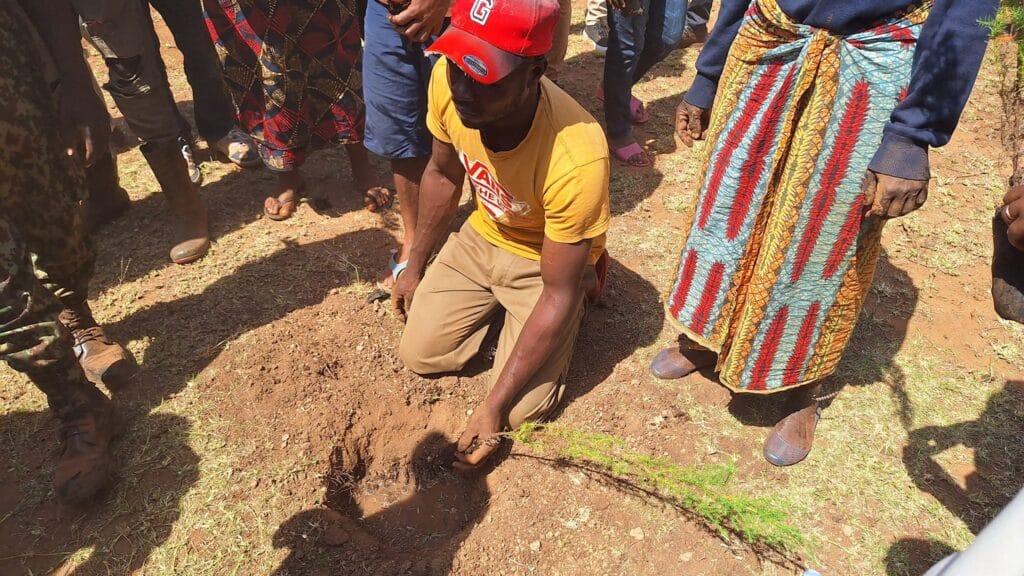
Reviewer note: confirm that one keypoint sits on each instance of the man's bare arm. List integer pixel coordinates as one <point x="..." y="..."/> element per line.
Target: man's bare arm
<point x="561" y="268"/>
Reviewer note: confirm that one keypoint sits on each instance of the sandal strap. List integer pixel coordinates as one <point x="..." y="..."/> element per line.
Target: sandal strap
<point x="396" y="267"/>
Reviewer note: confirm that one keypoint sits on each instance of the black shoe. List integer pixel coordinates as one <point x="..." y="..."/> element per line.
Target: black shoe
<point x="692" y="35"/>
<point x="597" y="35"/>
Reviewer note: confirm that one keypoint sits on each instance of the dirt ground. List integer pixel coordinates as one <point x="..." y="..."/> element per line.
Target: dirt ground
<point x="273" y="429"/>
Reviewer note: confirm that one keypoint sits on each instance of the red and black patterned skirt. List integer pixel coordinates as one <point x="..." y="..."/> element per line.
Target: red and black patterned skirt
<point x="293" y="70"/>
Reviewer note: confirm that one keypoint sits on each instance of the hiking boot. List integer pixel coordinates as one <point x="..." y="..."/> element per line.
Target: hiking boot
<point x="195" y="174"/>
<point x="597" y="35"/>
<point x="238" y="147"/>
<point x="104" y="361"/>
<point x="85" y="465"/>
<point x="107" y="200"/>
<point x="191" y="230"/>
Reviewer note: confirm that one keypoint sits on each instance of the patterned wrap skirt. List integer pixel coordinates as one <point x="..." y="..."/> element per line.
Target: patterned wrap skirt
<point x="293" y="70"/>
<point x="779" y="254"/>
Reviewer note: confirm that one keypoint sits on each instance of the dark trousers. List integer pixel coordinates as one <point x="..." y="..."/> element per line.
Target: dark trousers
<point x="213" y="110"/>
<point x="122" y="31"/>
<point x="699" y="13"/>
<point x="635" y="45"/>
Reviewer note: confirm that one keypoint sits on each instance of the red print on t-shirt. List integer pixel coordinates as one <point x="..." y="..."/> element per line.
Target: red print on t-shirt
<point x="497" y="202"/>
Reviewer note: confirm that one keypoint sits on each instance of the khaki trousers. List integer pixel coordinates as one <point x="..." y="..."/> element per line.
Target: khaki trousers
<point x="463" y="289"/>
<point x="560" y="43"/>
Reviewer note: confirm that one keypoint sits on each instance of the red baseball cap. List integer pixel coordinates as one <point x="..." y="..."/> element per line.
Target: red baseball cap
<point x="489" y="38"/>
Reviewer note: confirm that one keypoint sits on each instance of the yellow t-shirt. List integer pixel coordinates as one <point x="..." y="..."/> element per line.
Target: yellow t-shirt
<point x="554" y="183"/>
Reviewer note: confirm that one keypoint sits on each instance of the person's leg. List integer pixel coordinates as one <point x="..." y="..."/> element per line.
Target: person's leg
<point x="560" y="44"/>
<point x="665" y="22"/>
<point x="38" y="210"/>
<point x="213" y="110"/>
<point x="597" y="10"/>
<point x="139" y="88"/>
<point x="518" y="290"/>
<point x="452" y="306"/>
<point x="375" y="198"/>
<point x="407" y="174"/>
<point x="396" y="74"/>
<point x="626" y="39"/>
<point x="698" y="13"/>
<point x="106" y="200"/>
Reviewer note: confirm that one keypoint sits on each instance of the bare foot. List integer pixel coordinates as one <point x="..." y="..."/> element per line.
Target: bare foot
<point x="289" y="186"/>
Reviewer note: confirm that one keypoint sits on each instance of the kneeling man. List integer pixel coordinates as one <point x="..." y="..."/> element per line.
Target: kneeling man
<point x="538" y="163"/>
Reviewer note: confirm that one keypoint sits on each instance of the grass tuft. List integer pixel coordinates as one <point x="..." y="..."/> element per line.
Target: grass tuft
<point x="703" y="491"/>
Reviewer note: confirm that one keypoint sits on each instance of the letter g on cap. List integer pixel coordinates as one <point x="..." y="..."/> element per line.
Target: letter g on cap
<point x="481" y="11"/>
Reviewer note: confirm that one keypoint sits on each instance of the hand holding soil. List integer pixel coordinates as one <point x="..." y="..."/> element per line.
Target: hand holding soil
<point x="892" y="197"/>
<point x="691" y="122"/>
<point x="402" y="293"/>
<point x="481" y="438"/>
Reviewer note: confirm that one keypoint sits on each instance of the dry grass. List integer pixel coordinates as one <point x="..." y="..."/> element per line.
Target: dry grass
<point x="918" y="405"/>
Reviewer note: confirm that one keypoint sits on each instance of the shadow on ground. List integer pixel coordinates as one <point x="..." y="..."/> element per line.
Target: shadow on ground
<point x="990" y="482"/>
<point x="158" y="465"/>
<point x="417" y="535"/>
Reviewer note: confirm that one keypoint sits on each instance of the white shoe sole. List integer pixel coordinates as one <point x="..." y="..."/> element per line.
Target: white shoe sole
<point x="597" y="48"/>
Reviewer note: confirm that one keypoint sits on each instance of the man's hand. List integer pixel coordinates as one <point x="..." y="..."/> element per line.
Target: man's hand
<point x="481" y="438"/>
<point x="691" y="122"/>
<point x="617" y="4"/>
<point x="1012" y="214"/>
<point x="892" y="197"/>
<point x="403" y="291"/>
<point x="85" y="124"/>
<point x="422" y="19"/>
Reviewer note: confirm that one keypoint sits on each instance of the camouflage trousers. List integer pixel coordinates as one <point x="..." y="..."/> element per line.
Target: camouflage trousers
<point x="45" y="255"/>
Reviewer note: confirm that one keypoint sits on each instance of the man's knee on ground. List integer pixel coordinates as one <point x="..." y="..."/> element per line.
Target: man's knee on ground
<point x="418" y="351"/>
<point x="535" y="406"/>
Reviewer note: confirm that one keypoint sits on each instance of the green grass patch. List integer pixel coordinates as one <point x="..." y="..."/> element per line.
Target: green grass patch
<point x="703" y="491"/>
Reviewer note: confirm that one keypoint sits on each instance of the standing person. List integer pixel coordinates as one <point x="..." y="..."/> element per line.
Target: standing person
<point x="560" y="42"/>
<point x="539" y="165"/>
<point x="396" y="72"/>
<point x="122" y="33"/>
<point x="642" y="33"/>
<point x="214" y="114"/>
<point x="595" y="28"/>
<point x="293" y="71"/>
<point x="45" y="256"/>
<point x="696" y="30"/>
<point x="823" y="113"/>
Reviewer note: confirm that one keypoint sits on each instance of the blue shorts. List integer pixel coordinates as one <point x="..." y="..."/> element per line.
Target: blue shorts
<point x="396" y="74"/>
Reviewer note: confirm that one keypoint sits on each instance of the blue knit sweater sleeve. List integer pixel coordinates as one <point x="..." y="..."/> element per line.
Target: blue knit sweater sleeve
<point x="946" y="63"/>
<point x="712" y="57"/>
